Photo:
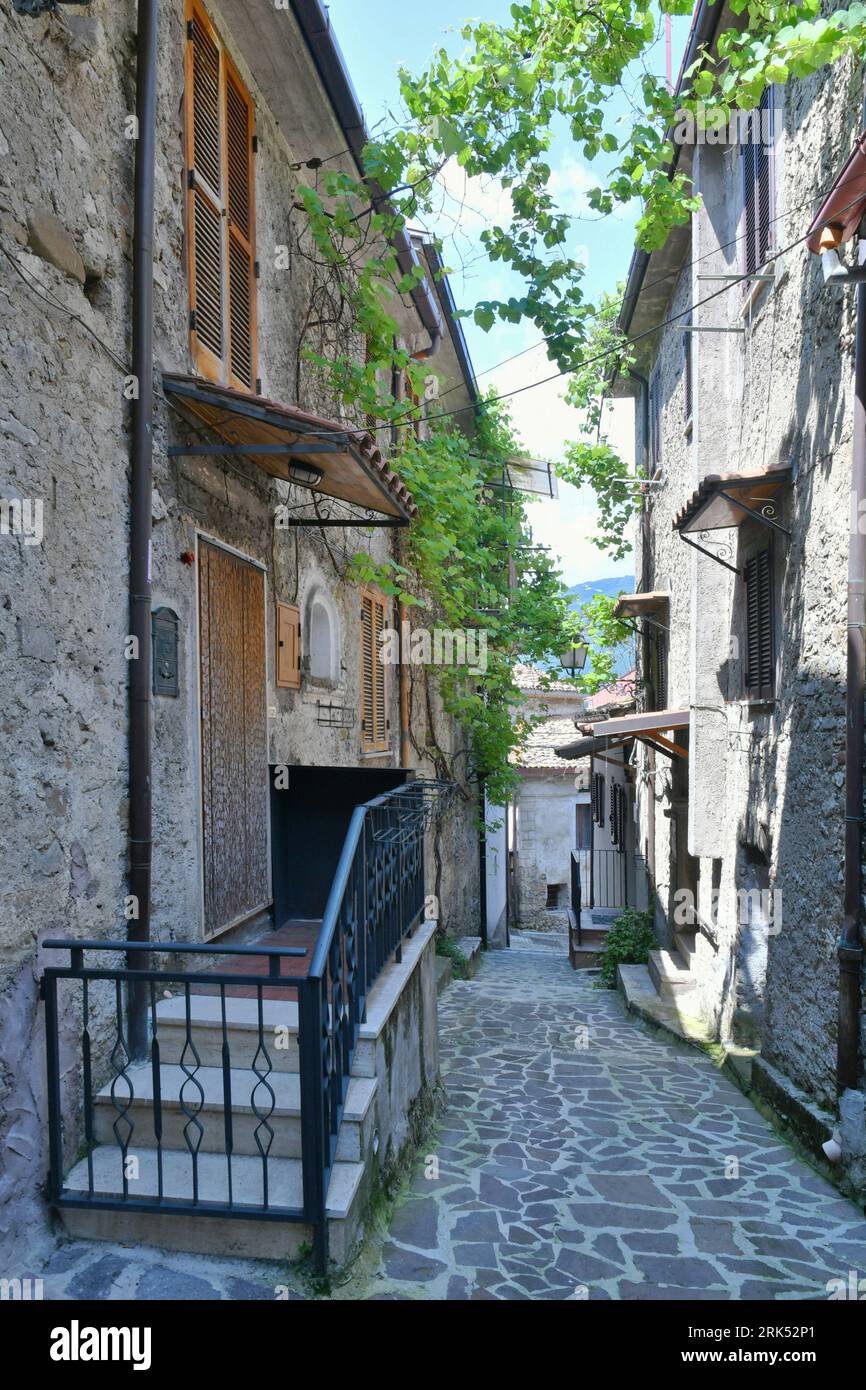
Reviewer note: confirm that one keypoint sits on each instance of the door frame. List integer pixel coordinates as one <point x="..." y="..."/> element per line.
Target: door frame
<point x="210" y="539"/>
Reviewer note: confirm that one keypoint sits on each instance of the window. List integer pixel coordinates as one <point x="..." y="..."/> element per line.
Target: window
<point x="655" y="439"/>
<point x="374" y="724"/>
<point x="583" y="834"/>
<point x="598" y="797"/>
<point x="288" y="662"/>
<point x="760" y="654"/>
<point x="553" y="892"/>
<point x="220" y="209"/>
<point x="617" y="816"/>
<point x="688" y="386"/>
<point x="656" y="668"/>
<point x="758" y="172"/>
<point x="322" y="653"/>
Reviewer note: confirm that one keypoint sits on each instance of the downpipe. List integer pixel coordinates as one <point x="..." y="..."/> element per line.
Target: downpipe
<point x="850" y="949"/>
<point x="140" y="556"/>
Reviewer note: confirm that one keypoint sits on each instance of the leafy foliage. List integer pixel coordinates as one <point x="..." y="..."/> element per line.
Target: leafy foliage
<point x="629" y="942"/>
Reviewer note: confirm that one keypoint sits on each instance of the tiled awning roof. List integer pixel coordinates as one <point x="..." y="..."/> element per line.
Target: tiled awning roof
<point x="727" y="499"/>
<point x="844" y="205"/>
<point x="353" y="468"/>
<point x="639" y="605"/>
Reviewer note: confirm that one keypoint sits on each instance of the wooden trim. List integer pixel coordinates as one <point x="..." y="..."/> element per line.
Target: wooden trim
<point x="377" y="714"/>
<point x="205" y="361"/>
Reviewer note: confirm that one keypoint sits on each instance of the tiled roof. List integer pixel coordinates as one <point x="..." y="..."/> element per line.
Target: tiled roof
<point x="528" y="677"/>
<point x="537" y="751"/>
<point x="619" y="693"/>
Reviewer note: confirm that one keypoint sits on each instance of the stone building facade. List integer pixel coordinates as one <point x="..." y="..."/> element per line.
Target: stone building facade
<point x="545" y="819"/>
<point x="66" y="209"/>
<point x="747" y="818"/>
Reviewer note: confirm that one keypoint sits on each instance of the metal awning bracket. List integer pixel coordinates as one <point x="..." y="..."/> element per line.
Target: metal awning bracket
<point x="760" y="513"/>
<point x="704" y="551"/>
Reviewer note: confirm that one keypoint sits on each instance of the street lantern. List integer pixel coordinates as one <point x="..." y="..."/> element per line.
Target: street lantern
<point x="574" y="659"/>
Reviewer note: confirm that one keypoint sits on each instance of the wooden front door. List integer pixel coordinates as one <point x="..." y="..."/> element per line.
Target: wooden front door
<point x="233" y="737"/>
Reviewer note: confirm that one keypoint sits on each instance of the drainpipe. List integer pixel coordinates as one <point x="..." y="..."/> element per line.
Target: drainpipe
<point x="140" y="815"/>
<point x="850" y="950"/>
<point x="644" y="583"/>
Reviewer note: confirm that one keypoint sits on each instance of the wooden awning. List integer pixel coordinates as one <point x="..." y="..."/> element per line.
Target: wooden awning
<point x="640" y="605"/>
<point x="652" y="728"/>
<point x="276" y="437"/>
<point x="845" y="203"/>
<point x="729" y="499"/>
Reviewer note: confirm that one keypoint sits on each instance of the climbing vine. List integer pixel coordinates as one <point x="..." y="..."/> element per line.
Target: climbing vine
<point x="493" y="110"/>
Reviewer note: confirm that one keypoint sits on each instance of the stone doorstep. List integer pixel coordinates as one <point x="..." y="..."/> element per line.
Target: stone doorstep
<point x="585" y="957"/>
<point x="471" y="948"/>
<point x="642" y="998"/>
<point x="252" y="1239"/>
<point x="285" y="1119"/>
<point x="670" y="974"/>
<point x="444" y="973"/>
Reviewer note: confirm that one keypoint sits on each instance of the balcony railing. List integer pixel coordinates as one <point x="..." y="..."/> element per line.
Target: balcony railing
<point x="376" y="900"/>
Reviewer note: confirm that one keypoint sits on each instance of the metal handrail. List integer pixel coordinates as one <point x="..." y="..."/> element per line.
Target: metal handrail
<point x="376" y="899"/>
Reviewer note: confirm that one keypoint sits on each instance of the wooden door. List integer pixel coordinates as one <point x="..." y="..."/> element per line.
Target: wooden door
<point x="233" y="737"/>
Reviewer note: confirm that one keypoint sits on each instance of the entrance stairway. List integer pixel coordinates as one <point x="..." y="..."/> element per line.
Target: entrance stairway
<point x="664" y="991"/>
<point x="585" y="945"/>
<point x="264" y="1115"/>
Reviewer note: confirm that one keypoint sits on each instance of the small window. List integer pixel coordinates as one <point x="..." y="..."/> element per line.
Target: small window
<point x="553" y="892"/>
<point x="617" y="816"/>
<point x="598" y="798"/>
<point x="583" y="826"/>
<point x="321" y="642"/>
<point x="760" y="638"/>
<point x="374" y="722"/>
<point x="688" y="376"/>
<point x="288" y="663"/>
<point x="655" y="439"/>
<point x="757" y="158"/>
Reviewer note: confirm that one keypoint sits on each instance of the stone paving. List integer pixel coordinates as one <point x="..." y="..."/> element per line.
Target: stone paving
<point x="583" y="1156"/>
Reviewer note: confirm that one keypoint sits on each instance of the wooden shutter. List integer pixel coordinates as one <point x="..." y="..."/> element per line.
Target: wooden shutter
<point x="374" y="722"/>
<point x="758" y="173"/>
<point x="288" y="663"/>
<point x="760" y="655"/>
<point x="221" y="210"/>
<point x="688" y="389"/>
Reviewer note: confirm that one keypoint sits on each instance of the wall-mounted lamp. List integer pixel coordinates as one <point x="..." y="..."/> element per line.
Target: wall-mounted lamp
<point x="305" y="474"/>
<point x="574" y="659"/>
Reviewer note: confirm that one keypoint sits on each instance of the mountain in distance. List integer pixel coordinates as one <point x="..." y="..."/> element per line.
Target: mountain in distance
<point x="579" y="594"/>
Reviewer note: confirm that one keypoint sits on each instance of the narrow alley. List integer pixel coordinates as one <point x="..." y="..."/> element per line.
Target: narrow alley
<point x="583" y="1156"/>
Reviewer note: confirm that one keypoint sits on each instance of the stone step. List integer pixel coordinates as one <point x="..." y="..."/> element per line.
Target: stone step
<point x="669" y="974"/>
<point x="279" y="1027"/>
<point x="686" y="942"/>
<point x="356" y="1129"/>
<point x="212" y="1235"/>
<point x="585" y="957"/>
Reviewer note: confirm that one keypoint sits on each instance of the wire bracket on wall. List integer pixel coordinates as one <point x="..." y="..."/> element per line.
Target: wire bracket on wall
<point x="722" y="549"/>
<point x="329" y="511"/>
<point x="335" y="716"/>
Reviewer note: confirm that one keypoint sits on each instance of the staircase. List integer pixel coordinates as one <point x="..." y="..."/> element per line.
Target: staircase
<point x="584" y="946"/>
<point x="665" y="991"/>
<point x="264" y="1113"/>
<point x="246" y="1106"/>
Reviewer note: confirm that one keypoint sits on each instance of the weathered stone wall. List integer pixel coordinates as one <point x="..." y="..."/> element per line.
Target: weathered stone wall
<point x="765" y="783"/>
<point x="66" y="223"/>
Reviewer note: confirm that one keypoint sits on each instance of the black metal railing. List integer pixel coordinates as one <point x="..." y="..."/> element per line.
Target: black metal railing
<point x="575" y="937"/>
<point x="608" y="879"/>
<point x="376" y="899"/>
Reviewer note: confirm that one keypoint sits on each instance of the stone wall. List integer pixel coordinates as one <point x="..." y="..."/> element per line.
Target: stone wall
<point x="66" y="208"/>
<point x="765" y="784"/>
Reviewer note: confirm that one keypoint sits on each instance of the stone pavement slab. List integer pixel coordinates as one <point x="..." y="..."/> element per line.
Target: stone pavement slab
<point x="584" y="1156"/>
